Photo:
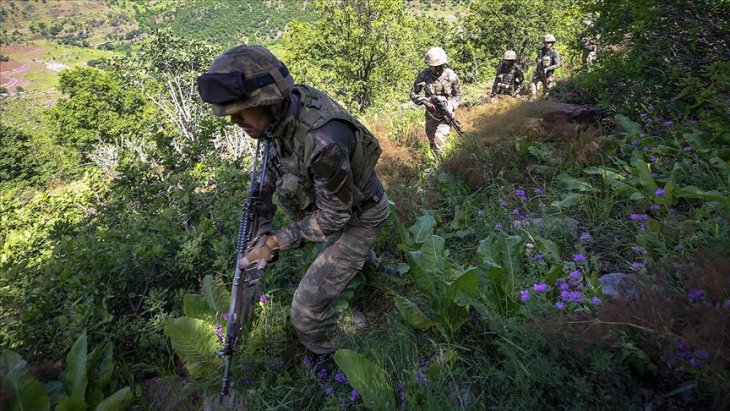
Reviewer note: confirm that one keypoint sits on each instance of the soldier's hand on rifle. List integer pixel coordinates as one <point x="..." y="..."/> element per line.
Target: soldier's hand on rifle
<point x="261" y="254"/>
<point x="429" y="106"/>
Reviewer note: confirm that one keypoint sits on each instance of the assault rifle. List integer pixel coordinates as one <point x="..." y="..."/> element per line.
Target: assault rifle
<point x="244" y="281"/>
<point x="440" y="103"/>
<point x="541" y="73"/>
<point x="442" y="113"/>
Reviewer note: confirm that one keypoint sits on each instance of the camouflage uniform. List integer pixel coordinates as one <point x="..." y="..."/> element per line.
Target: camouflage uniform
<point x="508" y="80"/>
<point x="551" y="61"/>
<point x="321" y="166"/>
<point x="448" y="86"/>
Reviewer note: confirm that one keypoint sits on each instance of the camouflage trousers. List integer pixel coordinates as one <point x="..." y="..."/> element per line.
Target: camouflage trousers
<point x="312" y="313"/>
<point x="436" y="131"/>
<point x="536" y="81"/>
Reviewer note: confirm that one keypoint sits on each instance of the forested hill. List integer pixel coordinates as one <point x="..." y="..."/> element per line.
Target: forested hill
<point x="569" y="251"/>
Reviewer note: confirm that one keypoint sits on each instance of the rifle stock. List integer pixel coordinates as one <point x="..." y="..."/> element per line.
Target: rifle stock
<point x="244" y="281"/>
<point x="446" y="115"/>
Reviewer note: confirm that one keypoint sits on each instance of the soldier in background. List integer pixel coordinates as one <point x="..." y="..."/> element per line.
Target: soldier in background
<point x="509" y="79"/>
<point x="437" y="81"/>
<point x="590" y="49"/>
<point x="321" y="167"/>
<point x="548" y="59"/>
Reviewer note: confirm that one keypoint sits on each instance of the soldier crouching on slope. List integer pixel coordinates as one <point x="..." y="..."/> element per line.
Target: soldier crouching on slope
<point x="509" y="79"/>
<point x="437" y="81"/>
<point x="322" y="168"/>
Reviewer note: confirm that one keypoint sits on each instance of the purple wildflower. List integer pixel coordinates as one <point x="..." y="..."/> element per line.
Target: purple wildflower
<point x="693" y="362"/>
<point x="524" y="295"/>
<point x="638" y="217"/>
<point x="701" y="354"/>
<point x="354" y="395"/>
<point x="726" y="304"/>
<point x="564" y="286"/>
<point x="642" y="134"/>
<point x="681" y="345"/>
<point x="307" y="361"/>
<point x="219" y="332"/>
<point x="498" y="226"/>
<point x="329" y="391"/>
<point x="654" y="174"/>
<point x="695" y="293"/>
<point x="579" y="258"/>
<point x="538" y="257"/>
<point x="402" y="395"/>
<point x="650" y="107"/>
<point x="637" y="266"/>
<point x="669" y="123"/>
<point x="263" y="299"/>
<point x="635" y="143"/>
<point x="693" y="122"/>
<point x="502" y="204"/>
<point x="655" y="207"/>
<point x="559" y="305"/>
<point x="522" y="217"/>
<point x="322" y="373"/>
<point x="540" y="288"/>
<point x="654" y="160"/>
<point x="679" y="247"/>
<point x="575" y="274"/>
<point x="521" y="194"/>
<point x="225" y="317"/>
<point x="516" y="211"/>
<point x="341" y="378"/>
<point x="660" y="192"/>
<point x="586" y="237"/>
<point x="595" y="300"/>
<point x="421" y="377"/>
<point x="538" y="190"/>
<point x="647" y="148"/>
<point x="639" y="250"/>
<point x="642" y="115"/>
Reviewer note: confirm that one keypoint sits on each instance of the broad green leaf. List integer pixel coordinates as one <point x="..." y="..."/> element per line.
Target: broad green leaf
<point x="75" y="379"/>
<point x="422" y="228"/>
<point x="645" y="178"/>
<point x="467" y="283"/>
<point x="428" y="265"/>
<point x="695" y="192"/>
<point x="605" y="173"/>
<point x="70" y="404"/>
<point x="367" y="378"/>
<point x="574" y="183"/>
<point x="116" y="401"/>
<point x="555" y="272"/>
<point x="100" y="365"/>
<point x="549" y="248"/>
<point x="499" y="250"/>
<point x="26" y="392"/>
<point x="568" y="200"/>
<point x="196" y="306"/>
<point x="410" y="311"/>
<point x="216" y="295"/>
<point x="631" y="128"/>
<point x="670" y="187"/>
<point x="637" y="196"/>
<point x="195" y="341"/>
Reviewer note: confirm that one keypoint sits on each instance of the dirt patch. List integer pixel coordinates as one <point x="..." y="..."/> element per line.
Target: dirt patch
<point x="13" y="72"/>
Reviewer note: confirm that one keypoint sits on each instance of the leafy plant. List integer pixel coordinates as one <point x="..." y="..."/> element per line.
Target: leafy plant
<point x="448" y="287"/>
<point x="367" y="378"/>
<point x="87" y="384"/>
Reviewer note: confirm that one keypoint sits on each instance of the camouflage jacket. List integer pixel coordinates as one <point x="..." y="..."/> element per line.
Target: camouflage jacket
<point x="322" y="170"/>
<point x="508" y="81"/>
<point x="554" y="59"/>
<point x="446" y="85"/>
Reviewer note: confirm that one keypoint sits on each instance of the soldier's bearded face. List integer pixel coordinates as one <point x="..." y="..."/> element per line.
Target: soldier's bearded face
<point x="436" y="70"/>
<point x="252" y="120"/>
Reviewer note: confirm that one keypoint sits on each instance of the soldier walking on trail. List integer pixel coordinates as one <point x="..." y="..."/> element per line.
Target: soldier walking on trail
<point x="437" y="82"/>
<point x="321" y="167"/>
<point x="509" y="79"/>
<point x="548" y="59"/>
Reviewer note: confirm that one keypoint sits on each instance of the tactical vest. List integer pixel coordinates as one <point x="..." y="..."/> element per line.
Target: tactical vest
<point x="295" y="188"/>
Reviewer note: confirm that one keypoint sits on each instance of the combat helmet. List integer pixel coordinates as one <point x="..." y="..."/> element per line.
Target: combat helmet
<point x="243" y="77"/>
<point x="549" y="38"/>
<point x="436" y="56"/>
<point x="509" y="55"/>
